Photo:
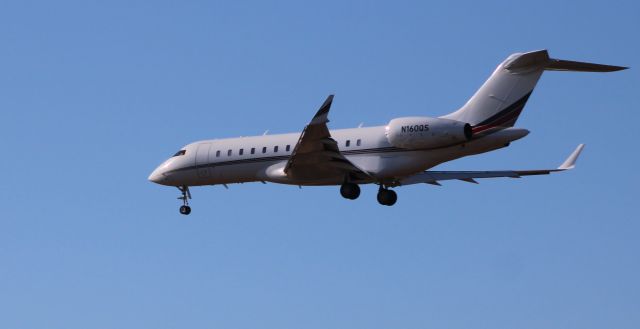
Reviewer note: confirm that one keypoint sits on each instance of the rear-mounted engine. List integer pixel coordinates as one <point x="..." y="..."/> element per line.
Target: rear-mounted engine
<point x="425" y="132"/>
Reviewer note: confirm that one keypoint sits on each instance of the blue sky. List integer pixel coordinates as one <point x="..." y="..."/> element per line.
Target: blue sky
<point x="95" y="94"/>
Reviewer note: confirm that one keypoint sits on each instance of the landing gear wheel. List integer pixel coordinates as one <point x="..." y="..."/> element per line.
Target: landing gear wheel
<point x="350" y="191"/>
<point x="185" y="210"/>
<point x="387" y="197"/>
<point x="186" y="195"/>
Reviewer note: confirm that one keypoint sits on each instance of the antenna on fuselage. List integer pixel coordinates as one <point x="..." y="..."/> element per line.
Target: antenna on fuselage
<point x="265" y="132"/>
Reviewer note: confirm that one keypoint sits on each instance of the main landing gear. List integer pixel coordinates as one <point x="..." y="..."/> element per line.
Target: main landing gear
<point x="387" y="197"/>
<point x="350" y="191"/>
<point x="186" y="195"/>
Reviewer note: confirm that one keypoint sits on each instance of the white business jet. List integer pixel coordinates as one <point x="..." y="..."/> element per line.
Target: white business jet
<point x="397" y="154"/>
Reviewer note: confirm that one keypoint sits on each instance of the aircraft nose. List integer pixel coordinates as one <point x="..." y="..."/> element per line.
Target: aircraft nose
<point x="157" y="176"/>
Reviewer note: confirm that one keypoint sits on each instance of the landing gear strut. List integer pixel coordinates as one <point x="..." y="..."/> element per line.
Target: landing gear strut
<point x="186" y="195"/>
<point x="350" y="191"/>
<point x="387" y="197"/>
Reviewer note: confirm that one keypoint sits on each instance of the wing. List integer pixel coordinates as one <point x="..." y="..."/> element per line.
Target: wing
<point x="433" y="177"/>
<point x="316" y="155"/>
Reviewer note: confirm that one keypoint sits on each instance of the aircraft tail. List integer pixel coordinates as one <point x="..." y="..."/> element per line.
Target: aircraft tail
<point x="501" y="99"/>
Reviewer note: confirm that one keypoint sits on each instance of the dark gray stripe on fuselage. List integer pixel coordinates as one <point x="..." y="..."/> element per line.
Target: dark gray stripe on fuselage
<point x="389" y="149"/>
<point x="286" y="157"/>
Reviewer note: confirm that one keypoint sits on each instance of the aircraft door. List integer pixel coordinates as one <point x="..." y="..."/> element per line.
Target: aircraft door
<point x="202" y="160"/>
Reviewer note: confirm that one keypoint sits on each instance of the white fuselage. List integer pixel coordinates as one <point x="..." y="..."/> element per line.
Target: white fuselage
<point x="262" y="158"/>
<point x="393" y="155"/>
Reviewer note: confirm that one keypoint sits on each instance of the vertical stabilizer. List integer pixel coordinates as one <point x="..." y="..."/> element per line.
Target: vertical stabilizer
<point x="501" y="99"/>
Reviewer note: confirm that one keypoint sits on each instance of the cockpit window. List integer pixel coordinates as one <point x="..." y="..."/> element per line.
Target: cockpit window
<point x="179" y="153"/>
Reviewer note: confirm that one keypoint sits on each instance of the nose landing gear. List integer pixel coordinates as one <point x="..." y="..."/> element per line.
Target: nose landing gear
<point x="186" y="195"/>
<point x="185" y="210"/>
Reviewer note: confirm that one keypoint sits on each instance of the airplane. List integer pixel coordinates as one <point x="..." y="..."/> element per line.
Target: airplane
<point x="397" y="154"/>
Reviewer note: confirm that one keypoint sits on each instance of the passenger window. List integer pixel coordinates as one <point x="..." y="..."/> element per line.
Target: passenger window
<point x="288" y="148"/>
<point x="264" y="149"/>
<point x="275" y="149"/>
<point x="348" y="143"/>
<point x="229" y="153"/>
<point x="358" y="142"/>
<point x="253" y="150"/>
<point x="241" y="151"/>
<point x="218" y="154"/>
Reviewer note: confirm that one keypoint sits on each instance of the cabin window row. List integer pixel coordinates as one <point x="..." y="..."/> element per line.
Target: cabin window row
<point x="275" y="149"/>
<point x="348" y="142"/>
<point x="253" y="150"/>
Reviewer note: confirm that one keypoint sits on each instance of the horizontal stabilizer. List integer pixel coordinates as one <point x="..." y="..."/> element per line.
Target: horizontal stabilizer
<point x="540" y="59"/>
<point x="562" y="65"/>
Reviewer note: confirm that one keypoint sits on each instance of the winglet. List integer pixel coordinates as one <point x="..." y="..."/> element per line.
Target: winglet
<point x="321" y="115"/>
<point x="570" y="162"/>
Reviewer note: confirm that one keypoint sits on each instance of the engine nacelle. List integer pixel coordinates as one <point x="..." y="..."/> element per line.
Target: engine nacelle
<point x="425" y="132"/>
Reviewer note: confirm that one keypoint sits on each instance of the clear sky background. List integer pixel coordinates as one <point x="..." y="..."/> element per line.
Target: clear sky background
<point x="95" y="94"/>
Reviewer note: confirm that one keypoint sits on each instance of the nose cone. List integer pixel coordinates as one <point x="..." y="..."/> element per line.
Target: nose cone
<point x="157" y="176"/>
